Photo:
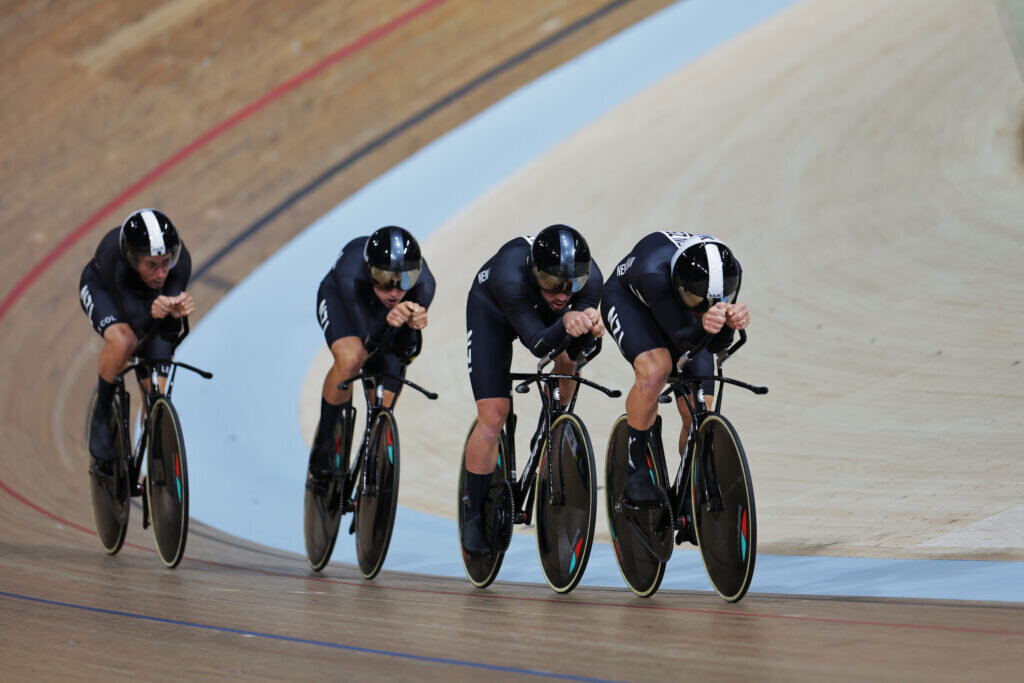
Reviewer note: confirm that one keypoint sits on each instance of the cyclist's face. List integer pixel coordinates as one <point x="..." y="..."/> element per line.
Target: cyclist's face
<point x="390" y="296"/>
<point x="556" y="300"/>
<point x="153" y="270"/>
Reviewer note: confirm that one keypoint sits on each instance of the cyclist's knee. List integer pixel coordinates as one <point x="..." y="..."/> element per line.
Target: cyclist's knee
<point x="121" y="340"/>
<point x="652" y="370"/>
<point x="349" y="355"/>
<point x="490" y="416"/>
<point x="563" y="365"/>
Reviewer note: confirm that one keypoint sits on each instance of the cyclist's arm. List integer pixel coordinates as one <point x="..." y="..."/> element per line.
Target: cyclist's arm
<point x="354" y="296"/>
<point x="519" y="309"/>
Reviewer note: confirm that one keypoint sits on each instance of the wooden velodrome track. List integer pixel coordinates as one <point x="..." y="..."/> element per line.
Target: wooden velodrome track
<point x="870" y="141"/>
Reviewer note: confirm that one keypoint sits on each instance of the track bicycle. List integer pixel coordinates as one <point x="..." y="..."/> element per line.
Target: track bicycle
<point x="369" y="488"/>
<point x="161" y="445"/>
<point x="710" y="503"/>
<point x="560" y="474"/>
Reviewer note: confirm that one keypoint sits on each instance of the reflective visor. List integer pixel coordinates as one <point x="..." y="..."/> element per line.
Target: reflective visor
<point x="559" y="285"/>
<point x="391" y="279"/>
<point x="701" y="303"/>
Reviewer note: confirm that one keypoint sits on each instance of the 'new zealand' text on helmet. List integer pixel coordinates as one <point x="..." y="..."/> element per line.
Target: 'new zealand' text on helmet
<point x="392" y="258"/>
<point x="704" y="272"/>
<point x="560" y="259"/>
<point x="149" y="232"/>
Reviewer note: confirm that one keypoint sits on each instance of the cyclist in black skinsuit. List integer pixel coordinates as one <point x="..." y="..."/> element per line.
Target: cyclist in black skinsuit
<point x="133" y="291"/>
<point x="664" y="296"/>
<point x="538" y="289"/>
<point x="378" y="282"/>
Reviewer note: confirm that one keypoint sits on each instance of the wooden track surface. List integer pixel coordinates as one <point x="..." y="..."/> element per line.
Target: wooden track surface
<point x="98" y="94"/>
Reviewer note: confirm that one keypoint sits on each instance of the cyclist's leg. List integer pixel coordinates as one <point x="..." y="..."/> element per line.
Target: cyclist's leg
<point x="489" y="355"/>
<point x="119" y="343"/>
<point x="390" y="363"/>
<point x="566" y="388"/>
<point x="348" y="355"/>
<point x="645" y="347"/>
<point x="702" y="365"/>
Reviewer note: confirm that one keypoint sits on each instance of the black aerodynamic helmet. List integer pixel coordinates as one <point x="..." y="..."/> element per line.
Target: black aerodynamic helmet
<point x="149" y="232"/>
<point x="704" y="272"/>
<point x="560" y="259"/>
<point x="392" y="258"/>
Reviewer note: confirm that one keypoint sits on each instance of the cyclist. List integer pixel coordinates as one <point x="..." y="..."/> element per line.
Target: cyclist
<point x="377" y="282"/>
<point x="664" y="296"/>
<point x="538" y="289"/>
<point x="133" y="291"/>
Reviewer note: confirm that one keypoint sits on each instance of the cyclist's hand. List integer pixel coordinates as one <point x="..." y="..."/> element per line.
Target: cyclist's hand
<point x="181" y="306"/>
<point x="737" y="316"/>
<point x="162" y="307"/>
<point x="714" y="318"/>
<point x="595" y="317"/>
<point x="577" y="323"/>
<point x="400" y="313"/>
<point x="418" y="320"/>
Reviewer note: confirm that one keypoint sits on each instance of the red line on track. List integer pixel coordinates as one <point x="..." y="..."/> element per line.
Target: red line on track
<point x="167" y="164"/>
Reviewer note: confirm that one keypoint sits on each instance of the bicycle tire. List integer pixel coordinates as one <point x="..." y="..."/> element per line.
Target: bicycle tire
<point x="640" y="568"/>
<point x="498" y="513"/>
<point x="375" y="514"/>
<point x="322" y="513"/>
<point x="565" y="530"/>
<point x="167" y="482"/>
<point x="727" y="537"/>
<point x="109" y="499"/>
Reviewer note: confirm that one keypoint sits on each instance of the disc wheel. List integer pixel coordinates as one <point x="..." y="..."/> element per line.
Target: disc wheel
<point x="167" y="482"/>
<point x="566" y="504"/>
<point x="109" y="497"/>
<point x="633" y="532"/>
<point x="723" y="508"/>
<point x="377" y="496"/>
<point x="322" y="509"/>
<point x="498" y="517"/>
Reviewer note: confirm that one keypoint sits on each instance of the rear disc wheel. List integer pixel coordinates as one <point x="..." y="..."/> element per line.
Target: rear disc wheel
<point x="641" y="569"/>
<point x="109" y="497"/>
<point x="498" y="518"/>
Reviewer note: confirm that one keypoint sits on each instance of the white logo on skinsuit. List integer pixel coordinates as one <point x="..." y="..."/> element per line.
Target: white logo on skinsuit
<point x="483" y="275"/>
<point x="615" y="326"/>
<point x="322" y="309"/>
<point x="469" y="350"/>
<point x="87" y="302"/>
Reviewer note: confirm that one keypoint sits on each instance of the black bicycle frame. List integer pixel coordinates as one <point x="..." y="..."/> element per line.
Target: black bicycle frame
<point x="145" y="369"/>
<point x="374" y="382"/>
<point x="551" y="399"/>
<point x="698" y="411"/>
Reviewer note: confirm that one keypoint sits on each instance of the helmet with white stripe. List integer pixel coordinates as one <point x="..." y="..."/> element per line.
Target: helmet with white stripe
<point x="704" y="272"/>
<point x="149" y="232"/>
